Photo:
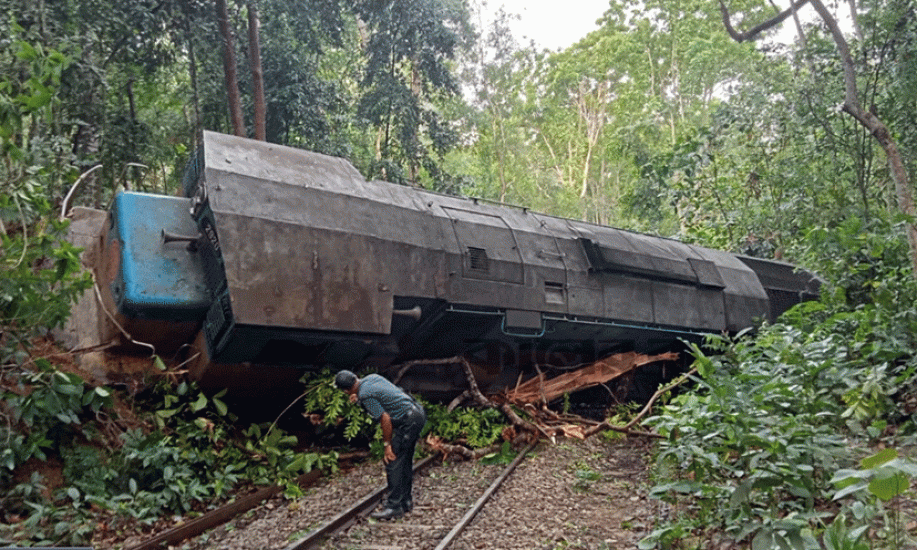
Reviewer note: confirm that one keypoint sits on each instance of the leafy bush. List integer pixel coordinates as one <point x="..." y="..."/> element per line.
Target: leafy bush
<point x="753" y="450"/>
<point x="188" y="454"/>
<point x="757" y="440"/>
<point x="41" y="277"/>
<point x="40" y="269"/>
<point x="47" y="407"/>
<point x="870" y="491"/>
<point x="472" y="427"/>
<point x="331" y="408"/>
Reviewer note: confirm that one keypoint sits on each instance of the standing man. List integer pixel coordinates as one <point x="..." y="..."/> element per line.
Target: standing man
<point x="401" y="419"/>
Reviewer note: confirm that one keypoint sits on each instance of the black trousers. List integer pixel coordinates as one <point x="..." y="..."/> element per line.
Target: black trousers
<point x="399" y="472"/>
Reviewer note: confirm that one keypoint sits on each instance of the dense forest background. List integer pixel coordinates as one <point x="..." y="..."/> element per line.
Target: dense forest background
<point x="658" y="121"/>
<point x="782" y="131"/>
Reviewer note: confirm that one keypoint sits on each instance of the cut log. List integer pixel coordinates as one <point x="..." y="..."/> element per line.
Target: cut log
<point x="542" y="390"/>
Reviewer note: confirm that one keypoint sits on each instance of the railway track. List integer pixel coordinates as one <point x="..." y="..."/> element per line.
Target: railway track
<point x="575" y="494"/>
<point x="444" y="505"/>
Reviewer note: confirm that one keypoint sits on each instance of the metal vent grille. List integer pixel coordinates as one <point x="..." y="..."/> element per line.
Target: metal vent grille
<point x="478" y="259"/>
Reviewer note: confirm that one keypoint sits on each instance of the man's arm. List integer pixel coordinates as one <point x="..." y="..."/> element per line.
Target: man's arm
<point x="386" y="422"/>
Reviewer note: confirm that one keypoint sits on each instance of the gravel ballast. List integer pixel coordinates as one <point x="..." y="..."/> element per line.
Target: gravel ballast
<point x="570" y="495"/>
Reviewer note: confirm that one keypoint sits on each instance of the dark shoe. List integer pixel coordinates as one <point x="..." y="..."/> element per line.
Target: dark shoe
<point x="409" y="506"/>
<point x="386" y="513"/>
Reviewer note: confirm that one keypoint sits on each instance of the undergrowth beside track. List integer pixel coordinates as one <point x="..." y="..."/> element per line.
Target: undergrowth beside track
<point x="86" y="463"/>
<point x="794" y="438"/>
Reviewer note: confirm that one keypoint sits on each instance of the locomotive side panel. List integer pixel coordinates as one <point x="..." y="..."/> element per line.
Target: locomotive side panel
<point x="744" y="298"/>
<point x="314" y="258"/>
<point x="628" y="299"/>
<point x="303" y="277"/>
<point x="508" y="257"/>
<point x="697" y="308"/>
<point x="786" y="285"/>
<point x="588" y="294"/>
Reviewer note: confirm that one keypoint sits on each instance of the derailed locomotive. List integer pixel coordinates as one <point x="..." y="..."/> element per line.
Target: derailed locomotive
<point x="279" y="257"/>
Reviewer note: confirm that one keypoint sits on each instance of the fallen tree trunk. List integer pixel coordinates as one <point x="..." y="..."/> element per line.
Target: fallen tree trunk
<point x="540" y="390"/>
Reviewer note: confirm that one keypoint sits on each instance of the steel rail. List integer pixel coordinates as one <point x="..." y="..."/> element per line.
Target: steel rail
<point x="226" y="512"/>
<point x="470" y="514"/>
<point x="313" y="538"/>
<point x="219" y="516"/>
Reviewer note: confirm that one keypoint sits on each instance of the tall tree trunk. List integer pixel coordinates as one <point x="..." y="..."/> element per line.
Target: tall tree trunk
<point x="591" y="106"/>
<point x="852" y="107"/>
<point x="499" y="142"/>
<point x="229" y="70"/>
<point x="876" y="127"/>
<point x="254" y="61"/>
<point x="192" y="69"/>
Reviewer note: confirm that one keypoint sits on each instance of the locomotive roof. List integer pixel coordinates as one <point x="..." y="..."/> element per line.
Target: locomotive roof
<point x="276" y="164"/>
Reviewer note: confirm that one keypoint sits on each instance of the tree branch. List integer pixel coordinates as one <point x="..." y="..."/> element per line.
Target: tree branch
<point x="643" y="412"/>
<point x="755" y="31"/>
<point x="505" y="408"/>
<point x="852" y="106"/>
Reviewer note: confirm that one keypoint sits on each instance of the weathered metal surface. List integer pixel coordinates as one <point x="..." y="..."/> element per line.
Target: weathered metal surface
<point x="155" y="280"/>
<point x="785" y="284"/>
<point x="307" y="263"/>
<point x="489" y="247"/>
<point x="85" y="327"/>
<point x="271" y="162"/>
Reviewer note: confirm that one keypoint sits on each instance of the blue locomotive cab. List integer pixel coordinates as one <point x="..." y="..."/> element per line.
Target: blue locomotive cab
<point x="156" y="282"/>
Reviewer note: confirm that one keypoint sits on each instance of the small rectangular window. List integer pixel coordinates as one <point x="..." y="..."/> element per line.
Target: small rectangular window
<point x="478" y="260"/>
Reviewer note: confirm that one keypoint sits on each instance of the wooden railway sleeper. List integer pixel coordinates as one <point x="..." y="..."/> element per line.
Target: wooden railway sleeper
<point x="347" y="518"/>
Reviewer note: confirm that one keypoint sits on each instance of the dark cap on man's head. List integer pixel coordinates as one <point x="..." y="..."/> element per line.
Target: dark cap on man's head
<point x="345" y="380"/>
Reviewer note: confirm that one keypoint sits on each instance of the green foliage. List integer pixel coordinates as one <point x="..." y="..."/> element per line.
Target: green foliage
<point x="766" y="433"/>
<point x="505" y="455"/>
<point x="34" y="153"/>
<point x="472" y="427"/>
<point x="867" y="494"/>
<point x="756" y="439"/>
<point x="42" y="412"/>
<point x="41" y="271"/>
<point x="839" y="537"/>
<point x="407" y="72"/>
<point x="30" y="98"/>
<point x="189" y="452"/>
<point x="262" y="453"/>
<point x="42" y="277"/>
<point x="883" y="475"/>
<point x="332" y="408"/>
